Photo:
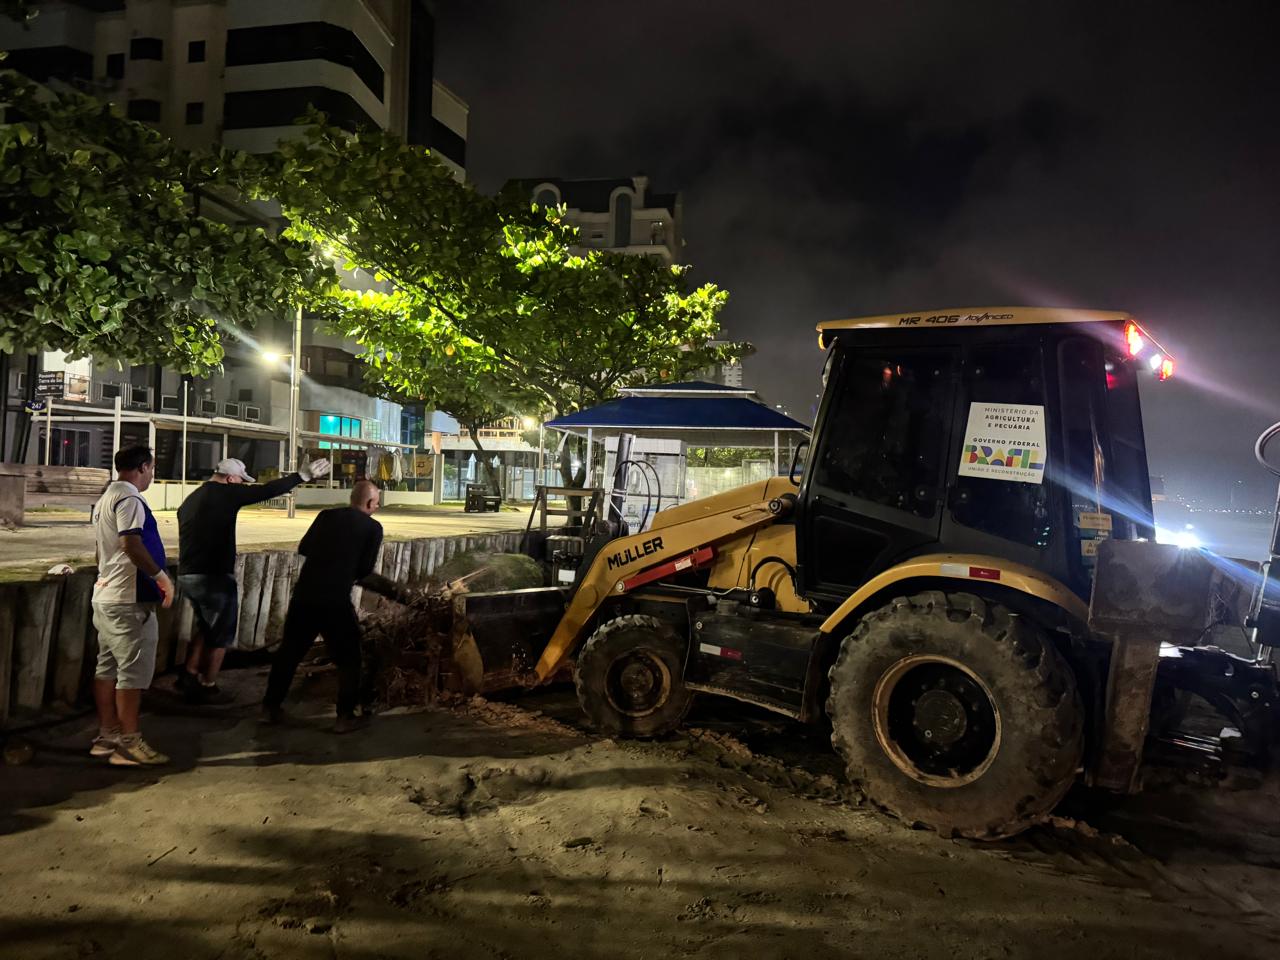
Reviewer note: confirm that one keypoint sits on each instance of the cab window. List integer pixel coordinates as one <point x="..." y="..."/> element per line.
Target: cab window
<point x="1012" y="510"/>
<point x="891" y="429"/>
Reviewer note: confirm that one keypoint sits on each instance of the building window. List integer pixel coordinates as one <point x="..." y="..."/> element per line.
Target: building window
<point x="622" y="220"/>
<point x="335" y="426"/>
<point x="195" y="113"/>
<point x="195" y="51"/>
<point x="115" y="66"/>
<point x="146" y="48"/>
<point x="147" y="111"/>
<point x="546" y="198"/>
<point x="70" y="448"/>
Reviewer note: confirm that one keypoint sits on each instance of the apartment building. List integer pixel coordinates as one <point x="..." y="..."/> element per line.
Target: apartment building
<point x="621" y="215"/>
<point x="235" y="72"/>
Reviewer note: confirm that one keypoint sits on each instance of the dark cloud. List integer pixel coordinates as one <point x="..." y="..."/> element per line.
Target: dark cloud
<point x="867" y="157"/>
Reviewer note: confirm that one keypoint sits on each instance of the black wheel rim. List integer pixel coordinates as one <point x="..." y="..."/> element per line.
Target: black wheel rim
<point x="638" y="683"/>
<point x="936" y="720"/>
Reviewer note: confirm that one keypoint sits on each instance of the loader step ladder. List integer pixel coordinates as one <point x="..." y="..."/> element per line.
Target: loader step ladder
<point x="542" y="506"/>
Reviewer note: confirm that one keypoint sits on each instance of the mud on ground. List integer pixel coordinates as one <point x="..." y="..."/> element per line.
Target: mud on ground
<point x="498" y="830"/>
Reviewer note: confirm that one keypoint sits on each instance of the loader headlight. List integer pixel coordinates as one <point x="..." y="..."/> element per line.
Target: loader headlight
<point x="1183" y="539"/>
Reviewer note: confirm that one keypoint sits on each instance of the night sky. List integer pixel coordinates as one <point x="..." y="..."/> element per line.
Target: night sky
<point x="839" y="159"/>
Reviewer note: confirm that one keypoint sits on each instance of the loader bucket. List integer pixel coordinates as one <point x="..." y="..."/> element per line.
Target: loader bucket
<point x="497" y="638"/>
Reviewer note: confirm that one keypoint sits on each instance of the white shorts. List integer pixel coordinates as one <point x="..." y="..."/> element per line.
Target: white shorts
<point x="127" y="638"/>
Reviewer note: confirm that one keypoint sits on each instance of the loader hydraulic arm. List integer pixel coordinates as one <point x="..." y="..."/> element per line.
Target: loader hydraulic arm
<point x="619" y="566"/>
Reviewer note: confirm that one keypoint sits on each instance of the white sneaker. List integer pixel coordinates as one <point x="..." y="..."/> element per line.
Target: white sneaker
<point x="136" y="752"/>
<point x="104" y="744"/>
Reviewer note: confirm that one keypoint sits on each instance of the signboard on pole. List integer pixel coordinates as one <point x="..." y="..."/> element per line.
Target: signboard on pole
<point x="34" y="406"/>
<point x="51" y="383"/>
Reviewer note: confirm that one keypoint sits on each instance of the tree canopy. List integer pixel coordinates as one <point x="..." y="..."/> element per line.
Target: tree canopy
<point x="490" y="283"/>
<point x="102" y="250"/>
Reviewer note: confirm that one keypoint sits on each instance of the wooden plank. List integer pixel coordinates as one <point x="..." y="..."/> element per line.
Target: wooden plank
<point x="186" y="625"/>
<point x="251" y="567"/>
<point x="32" y="641"/>
<point x="71" y="639"/>
<point x="89" y="665"/>
<point x="403" y="559"/>
<point x="264" y="602"/>
<point x="283" y="577"/>
<point x="8" y="624"/>
<point x="417" y="564"/>
<point x="435" y="554"/>
<point x="166" y="634"/>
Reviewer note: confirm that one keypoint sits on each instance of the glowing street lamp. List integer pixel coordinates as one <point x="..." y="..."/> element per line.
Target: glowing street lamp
<point x="274" y="357"/>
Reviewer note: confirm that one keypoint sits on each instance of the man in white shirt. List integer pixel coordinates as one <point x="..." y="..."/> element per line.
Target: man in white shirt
<point x="131" y="580"/>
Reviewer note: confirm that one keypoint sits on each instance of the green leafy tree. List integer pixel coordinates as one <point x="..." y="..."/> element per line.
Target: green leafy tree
<point x="457" y="376"/>
<point x="494" y="271"/>
<point x="102" y="250"/>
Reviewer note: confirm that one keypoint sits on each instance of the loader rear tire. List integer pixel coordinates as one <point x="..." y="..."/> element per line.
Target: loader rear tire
<point x="630" y="678"/>
<point x="956" y="714"/>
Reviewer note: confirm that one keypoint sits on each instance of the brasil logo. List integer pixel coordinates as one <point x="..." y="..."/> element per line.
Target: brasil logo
<point x="1021" y="458"/>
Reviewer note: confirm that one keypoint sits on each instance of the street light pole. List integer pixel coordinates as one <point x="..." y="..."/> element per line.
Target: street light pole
<point x="293" y="405"/>
<point x="186" y="394"/>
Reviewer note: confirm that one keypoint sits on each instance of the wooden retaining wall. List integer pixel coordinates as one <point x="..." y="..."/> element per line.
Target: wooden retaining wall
<point x="48" y="646"/>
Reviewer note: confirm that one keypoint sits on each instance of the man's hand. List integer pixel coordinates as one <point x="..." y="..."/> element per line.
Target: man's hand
<point x="166" y="589"/>
<point x="313" y="470"/>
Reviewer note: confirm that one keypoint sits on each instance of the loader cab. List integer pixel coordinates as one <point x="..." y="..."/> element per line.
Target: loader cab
<point x="1012" y="433"/>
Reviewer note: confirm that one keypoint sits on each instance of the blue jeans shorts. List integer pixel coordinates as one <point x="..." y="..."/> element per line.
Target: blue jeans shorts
<point x="216" y="604"/>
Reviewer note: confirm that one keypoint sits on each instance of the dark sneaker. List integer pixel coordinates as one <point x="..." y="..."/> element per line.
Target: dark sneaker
<point x="272" y="716"/>
<point x="349" y="724"/>
<point x="185" y="680"/>
<point x="136" y="752"/>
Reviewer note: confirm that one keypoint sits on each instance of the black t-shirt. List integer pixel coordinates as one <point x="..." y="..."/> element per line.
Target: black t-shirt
<point x="341" y="548"/>
<point x="207" y="522"/>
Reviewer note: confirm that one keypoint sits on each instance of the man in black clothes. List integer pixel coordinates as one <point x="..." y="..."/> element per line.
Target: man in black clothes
<point x="341" y="549"/>
<point x="207" y="561"/>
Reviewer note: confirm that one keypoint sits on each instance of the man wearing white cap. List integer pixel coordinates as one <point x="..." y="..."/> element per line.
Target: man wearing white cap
<point x="207" y="560"/>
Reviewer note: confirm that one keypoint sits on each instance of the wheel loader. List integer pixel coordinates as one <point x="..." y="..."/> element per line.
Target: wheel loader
<point x="963" y="581"/>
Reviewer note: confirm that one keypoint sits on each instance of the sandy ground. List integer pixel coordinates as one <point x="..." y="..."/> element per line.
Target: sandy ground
<point x="54" y="536"/>
<point x="496" y="831"/>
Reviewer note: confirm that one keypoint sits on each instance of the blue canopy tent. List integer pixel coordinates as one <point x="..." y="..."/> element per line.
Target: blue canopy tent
<point x="696" y="413"/>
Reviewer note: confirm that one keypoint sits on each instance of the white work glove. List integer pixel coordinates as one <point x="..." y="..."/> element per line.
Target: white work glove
<point x="166" y="589"/>
<point x="313" y="470"/>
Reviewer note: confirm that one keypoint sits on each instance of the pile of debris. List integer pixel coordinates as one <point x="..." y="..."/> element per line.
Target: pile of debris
<point x="406" y="640"/>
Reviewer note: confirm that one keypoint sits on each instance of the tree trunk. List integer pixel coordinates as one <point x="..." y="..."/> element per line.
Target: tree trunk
<point x="572" y="478"/>
<point x="490" y="472"/>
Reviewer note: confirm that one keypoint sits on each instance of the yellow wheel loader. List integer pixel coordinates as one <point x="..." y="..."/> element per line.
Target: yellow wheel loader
<point x="963" y="582"/>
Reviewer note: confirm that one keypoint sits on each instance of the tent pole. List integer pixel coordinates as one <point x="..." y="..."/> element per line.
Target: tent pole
<point x="777" y="468"/>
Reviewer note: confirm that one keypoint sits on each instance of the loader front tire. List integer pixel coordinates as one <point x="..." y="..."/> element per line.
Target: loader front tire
<point x="629" y="678"/>
<point x="956" y="714"/>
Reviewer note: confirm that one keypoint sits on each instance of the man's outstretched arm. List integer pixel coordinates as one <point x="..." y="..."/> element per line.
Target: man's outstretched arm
<point x="246" y="494"/>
